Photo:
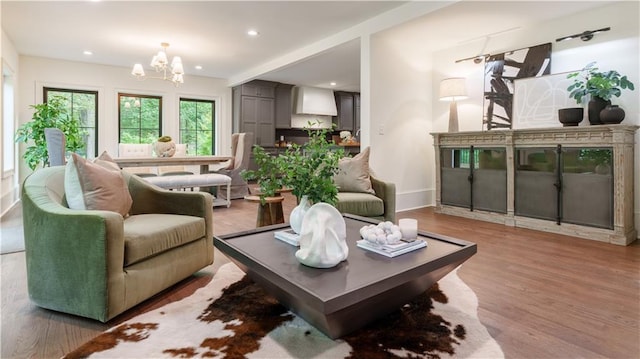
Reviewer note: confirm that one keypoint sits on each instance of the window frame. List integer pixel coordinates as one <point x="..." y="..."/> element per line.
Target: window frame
<point x="214" y="121"/>
<point x="45" y="97"/>
<point x="128" y="94"/>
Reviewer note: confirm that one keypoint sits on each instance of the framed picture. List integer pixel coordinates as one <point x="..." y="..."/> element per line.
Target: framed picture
<point x="500" y="72"/>
<point x="536" y="100"/>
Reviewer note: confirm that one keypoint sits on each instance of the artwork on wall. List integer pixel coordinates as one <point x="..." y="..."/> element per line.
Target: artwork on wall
<point x="536" y="100"/>
<point x="499" y="74"/>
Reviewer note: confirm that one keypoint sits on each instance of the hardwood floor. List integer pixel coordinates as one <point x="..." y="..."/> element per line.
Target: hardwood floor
<point x="540" y="295"/>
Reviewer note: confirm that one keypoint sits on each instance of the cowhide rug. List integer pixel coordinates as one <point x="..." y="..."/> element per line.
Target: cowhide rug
<point x="232" y="317"/>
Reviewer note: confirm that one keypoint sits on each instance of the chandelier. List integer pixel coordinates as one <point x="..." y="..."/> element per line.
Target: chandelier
<point x="160" y="63"/>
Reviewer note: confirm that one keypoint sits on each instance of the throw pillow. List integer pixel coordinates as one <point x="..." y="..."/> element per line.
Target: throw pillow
<point x="95" y="186"/>
<point x="106" y="161"/>
<point x="353" y="174"/>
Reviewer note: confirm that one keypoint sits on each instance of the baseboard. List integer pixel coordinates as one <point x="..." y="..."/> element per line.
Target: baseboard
<point x="637" y="222"/>
<point x="8" y="201"/>
<point x="406" y="201"/>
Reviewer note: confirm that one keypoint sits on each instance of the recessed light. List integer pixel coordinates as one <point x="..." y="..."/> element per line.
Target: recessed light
<point x="87" y="52"/>
<point x="332" y="83"/>
<point x="198" y="67"/>
<point x="252" y="32"/>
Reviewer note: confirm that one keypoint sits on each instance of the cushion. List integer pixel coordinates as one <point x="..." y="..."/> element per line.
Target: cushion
<point x="360" y="204"/>
<point x="95" y="186"/>
<point x="353" y="174"/>
<point x="147" y="235"/>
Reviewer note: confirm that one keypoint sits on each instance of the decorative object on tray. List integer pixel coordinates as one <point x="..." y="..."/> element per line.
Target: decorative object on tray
<point x="297" y="214"/>
<point x="602" y="87"/>
<point x="391" y="240"/>
<point x="323" y="237"/>
<point x="288" y="236"/>
<point x="408" y="228"/>
<point x="164" y="147"/>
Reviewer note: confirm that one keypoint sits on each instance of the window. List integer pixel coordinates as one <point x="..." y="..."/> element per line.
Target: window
<point x="197" y="124"/>
<point x="8" y="122"/>
<point x="139" y="117"/>
<point x="83" y="106"/>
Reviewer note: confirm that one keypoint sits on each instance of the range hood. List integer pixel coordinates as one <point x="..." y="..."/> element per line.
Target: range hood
<point x="314" y="101"/>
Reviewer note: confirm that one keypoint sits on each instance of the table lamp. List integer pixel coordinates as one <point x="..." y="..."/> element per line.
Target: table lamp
<point x="453" y="89"/>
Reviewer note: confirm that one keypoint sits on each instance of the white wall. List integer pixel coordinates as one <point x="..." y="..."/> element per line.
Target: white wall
<point x="36" y="73"/>
<point x="405" y="80"/>
<point x="9" y="182"/>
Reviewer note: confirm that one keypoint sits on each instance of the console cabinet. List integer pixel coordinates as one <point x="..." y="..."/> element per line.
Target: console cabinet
<point x="576" y="181"/>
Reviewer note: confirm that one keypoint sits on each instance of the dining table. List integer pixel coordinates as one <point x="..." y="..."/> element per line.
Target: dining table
<point x="202" y="161"/>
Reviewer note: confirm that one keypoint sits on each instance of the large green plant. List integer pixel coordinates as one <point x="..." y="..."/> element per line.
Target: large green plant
<point x="268" y="173"/>
<point x="309" y="169"/>
<point x="590" y="81"/>
<point x="46" y="115"/>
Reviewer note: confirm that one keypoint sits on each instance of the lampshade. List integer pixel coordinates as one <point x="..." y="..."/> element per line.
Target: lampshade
<point x="452" y="89"/>
<point x="137" y="70"/>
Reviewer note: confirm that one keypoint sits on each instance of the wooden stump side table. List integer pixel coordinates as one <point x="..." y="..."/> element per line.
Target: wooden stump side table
<point x="270" y="212"/>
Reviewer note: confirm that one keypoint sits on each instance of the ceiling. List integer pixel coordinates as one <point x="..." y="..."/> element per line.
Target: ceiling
<point x="213" y="34"/>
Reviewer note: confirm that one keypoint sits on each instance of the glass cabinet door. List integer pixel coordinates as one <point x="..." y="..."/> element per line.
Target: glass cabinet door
<point x="536" y="194"/>
<point x="490" y="180"/>
<point x="454" y="177"/>
<point x="587" y="186"/>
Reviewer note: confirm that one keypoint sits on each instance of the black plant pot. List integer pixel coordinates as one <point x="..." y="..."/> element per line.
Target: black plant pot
<point x="612" y="114"/>
<point x="570" y="116"/>
<point x="595" y="106"/>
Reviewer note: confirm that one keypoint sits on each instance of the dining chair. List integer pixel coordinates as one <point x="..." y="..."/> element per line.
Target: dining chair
<point x="56" y="144"/>
<point x="137" y="150"/>
<point x="181" y="151"/>
<point x="241" y="144"/>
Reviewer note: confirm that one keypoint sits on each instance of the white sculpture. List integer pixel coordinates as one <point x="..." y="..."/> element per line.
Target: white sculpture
<point x="323" y="237"/>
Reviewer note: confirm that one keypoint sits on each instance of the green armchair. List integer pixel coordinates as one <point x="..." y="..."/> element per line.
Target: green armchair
<point x="97" y="264"/>
<point x="381" y="205"/>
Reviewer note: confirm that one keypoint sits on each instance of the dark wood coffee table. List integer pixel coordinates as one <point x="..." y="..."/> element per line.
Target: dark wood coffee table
<point x="357" y="291"/>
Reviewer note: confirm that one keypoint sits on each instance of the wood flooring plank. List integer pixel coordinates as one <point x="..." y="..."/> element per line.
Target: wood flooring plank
<point x="541" y="295"/>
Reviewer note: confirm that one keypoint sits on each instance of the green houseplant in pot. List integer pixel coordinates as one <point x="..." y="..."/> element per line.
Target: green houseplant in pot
<point x="601" y="86"/>
<point x="51" y="114"/>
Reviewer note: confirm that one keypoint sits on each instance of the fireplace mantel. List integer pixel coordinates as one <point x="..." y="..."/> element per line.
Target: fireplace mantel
<point x="618" y="138"/>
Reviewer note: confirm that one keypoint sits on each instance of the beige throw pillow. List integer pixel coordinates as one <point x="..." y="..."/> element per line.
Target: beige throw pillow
<point x="95" y="186"/>
<point x="353" y="173"/>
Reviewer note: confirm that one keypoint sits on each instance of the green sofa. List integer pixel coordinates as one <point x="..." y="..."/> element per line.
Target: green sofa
<point x="380" y="206"/>
<point x="97" y="264"/>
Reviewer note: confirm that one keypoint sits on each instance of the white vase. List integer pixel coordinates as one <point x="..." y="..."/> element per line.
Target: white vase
<point x="297" y="214"/>
<point x="164" y="149"/>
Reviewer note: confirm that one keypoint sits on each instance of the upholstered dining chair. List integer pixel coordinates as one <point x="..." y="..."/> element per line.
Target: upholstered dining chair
<point x="56" y="146"/>
<point x="241" y="144"/>
<point x="137" y="150"/>
<point x="181" y="151"/>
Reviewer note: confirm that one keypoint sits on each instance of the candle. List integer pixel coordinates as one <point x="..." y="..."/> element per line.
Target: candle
<point x="408" y="228"/>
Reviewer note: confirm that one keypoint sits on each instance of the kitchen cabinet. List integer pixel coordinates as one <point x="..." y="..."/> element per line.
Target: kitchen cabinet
<point x="283" y="106"/>
<point x="576" y="181"/>
<point x="345" y="104"/>
<point x="254" y="111"/>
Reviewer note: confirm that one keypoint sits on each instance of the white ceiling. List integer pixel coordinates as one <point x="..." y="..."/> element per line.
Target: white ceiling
<point x="213" y="33"/>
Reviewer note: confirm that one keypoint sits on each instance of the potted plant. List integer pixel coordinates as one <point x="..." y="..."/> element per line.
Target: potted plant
<point x="268" y="174"/>
<point x="51" y="114"/>
<point x="601" y="87"/>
